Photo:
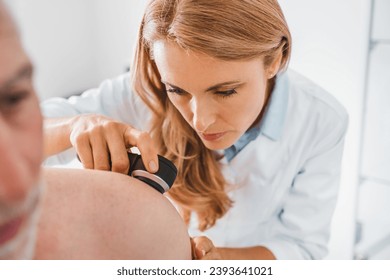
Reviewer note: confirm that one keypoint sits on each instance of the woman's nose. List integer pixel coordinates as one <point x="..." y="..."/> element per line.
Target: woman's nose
<point x="203" y="114"/>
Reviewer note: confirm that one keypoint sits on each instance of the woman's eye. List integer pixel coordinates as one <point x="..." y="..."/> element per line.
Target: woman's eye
<point x="175" y="90"/>
<point x="226" y="93"/>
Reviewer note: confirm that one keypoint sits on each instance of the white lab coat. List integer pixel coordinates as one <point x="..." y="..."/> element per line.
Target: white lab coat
<point x="284" y="183"/>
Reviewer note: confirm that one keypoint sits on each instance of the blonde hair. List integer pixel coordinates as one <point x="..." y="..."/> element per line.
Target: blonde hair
<point x="224" y="29"/>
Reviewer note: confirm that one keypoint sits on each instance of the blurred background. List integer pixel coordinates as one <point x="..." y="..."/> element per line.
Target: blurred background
<point x="344" y="46"/>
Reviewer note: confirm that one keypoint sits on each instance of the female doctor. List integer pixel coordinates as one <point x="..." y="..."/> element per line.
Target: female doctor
<point x="258" y="147"/>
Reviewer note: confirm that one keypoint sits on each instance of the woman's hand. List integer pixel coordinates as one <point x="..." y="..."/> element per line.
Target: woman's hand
<point x="204" y="249"/>
<point x="102" y="143"/>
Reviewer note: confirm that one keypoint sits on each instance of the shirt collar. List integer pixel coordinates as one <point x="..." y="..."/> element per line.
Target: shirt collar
<point x="272" y="123"/>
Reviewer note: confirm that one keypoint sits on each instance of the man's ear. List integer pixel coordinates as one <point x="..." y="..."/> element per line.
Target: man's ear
<point x="274" y="67"/>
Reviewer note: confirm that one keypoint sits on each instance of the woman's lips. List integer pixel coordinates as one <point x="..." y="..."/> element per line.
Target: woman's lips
<point x="10" y="229"/>
<point x="212" y="136"/>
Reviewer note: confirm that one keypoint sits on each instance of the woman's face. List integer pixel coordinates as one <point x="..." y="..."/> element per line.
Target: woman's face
<point x="219" y="99"/>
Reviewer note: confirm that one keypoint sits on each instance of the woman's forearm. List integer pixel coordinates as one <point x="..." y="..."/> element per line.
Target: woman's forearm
<point x="57" y="135"/>
<point x="249" y="253"/>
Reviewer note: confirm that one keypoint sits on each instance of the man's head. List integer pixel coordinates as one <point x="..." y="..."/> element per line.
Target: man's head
<point x="20" y="145"/>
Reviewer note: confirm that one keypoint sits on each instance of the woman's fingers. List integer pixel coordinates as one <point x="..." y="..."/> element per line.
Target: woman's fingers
<point x="202" y="243"/>
<point x="83" y="149"/>
<point x="143" y="141"/>
<point x="194" y="255"/>
<point x="204" y="248"/>
<point x="101" y="143"/>
<point x="117" y="149"/>
<point x="100" y="154"/>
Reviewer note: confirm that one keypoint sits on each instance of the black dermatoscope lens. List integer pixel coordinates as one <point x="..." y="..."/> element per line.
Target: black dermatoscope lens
<point x="162" y="180"/>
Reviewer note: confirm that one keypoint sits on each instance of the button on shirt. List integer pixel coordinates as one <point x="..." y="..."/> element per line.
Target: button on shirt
<point x="282" y="175"/>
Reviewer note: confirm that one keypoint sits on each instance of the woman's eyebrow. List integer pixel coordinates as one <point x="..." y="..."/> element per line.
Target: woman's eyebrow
<point x="212" y="88"/>
<point x="24" y="72"/>
<point x="229" y="83"/>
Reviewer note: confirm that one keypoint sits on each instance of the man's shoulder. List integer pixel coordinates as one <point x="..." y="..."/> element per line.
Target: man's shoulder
<point x="104" y="215"/>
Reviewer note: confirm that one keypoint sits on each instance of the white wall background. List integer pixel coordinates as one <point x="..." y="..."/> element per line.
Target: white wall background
<point x="330" y="43"/>
<point x="77" y="43"/>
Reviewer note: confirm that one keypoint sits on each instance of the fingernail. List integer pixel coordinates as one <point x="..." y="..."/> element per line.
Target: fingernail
<point x="203" y="252"/>
<point x="152" y="166"/>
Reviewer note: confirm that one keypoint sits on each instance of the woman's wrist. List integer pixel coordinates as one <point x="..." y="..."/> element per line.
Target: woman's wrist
<point x="57" y="135"/>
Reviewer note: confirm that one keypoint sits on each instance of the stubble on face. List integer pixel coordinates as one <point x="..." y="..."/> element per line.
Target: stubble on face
<point x="22" y="245"/>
